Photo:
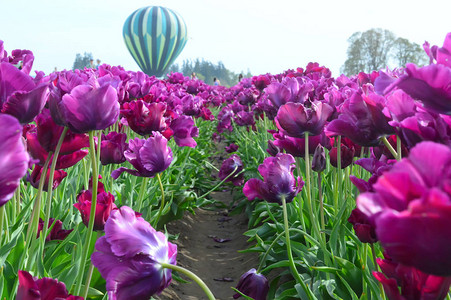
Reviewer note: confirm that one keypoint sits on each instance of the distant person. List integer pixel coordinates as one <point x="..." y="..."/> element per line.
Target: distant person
<point x="240" y="77"/>
<point x="91" y="64"/>
<point x="193" y="75"/>
<point x="216" y="81"/>
<point x="98" y="64"/>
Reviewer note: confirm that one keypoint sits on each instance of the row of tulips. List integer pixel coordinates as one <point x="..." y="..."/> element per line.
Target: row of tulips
<point x="387" y="134"/>
<point x="324" y="242"/>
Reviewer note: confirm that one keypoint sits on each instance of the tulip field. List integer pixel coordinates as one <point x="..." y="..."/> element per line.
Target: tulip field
<point x="345" y="182"/>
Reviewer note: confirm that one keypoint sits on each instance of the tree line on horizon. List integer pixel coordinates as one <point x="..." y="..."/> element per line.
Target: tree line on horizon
<point x="368" y="51"/>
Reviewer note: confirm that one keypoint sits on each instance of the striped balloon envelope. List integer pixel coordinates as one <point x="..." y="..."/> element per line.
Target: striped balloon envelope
<point x="155" y="36"/>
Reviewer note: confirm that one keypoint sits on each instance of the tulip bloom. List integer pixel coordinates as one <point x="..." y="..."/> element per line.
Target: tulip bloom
<point x="361" y="120"/>
<point x="278" y="180"/>
<point x="41" y="289"/>
<point x="13" y="157"/>
<point x="231" y="148"/>
<point x="253" y="285"/>
<point x="149" y="157"/>
<point x="89" y="108"/>
<point x="19" y="94"/>
<point x="112" y="148"/>
<point x="35" y="177"/>
<point x="105" y="204"/>
<point x="57" y="233"/>
<point x="129" y="257"/>
<point x="414" y="283"/>
<point x="145" y="118"/>
<point x="184" y="131"/>
<point x="411" y="208"/>
<point x="230" y="166"/>
<point x="294" y="119"/>
<point x="363" y="228"/>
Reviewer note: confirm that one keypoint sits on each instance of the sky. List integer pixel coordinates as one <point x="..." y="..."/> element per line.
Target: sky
<point x="260" y="36"/>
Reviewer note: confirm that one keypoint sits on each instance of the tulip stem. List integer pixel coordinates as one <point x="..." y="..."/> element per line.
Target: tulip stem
<point x="95" y="179"/>
<point x="222" y="181"/>
<point x="50" y="183"/>
<point x="88" y="281"/>
<point x="390" y="148"/>
<point x="192" y="276"/>
<point x="321" y="208"/>
<point x="162" y="200"/>
<point x="308" y="166"/>
<point x="294" y="271"/>
<point x="141" y="193"/>
<point x="398" y="148"/>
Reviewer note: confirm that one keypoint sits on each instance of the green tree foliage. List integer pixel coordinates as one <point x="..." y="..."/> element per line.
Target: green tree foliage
<point x="206" y="71"/>
<point x="405" y="52"/>
<point x="82" y="62"/>
<point x="378" y="48"/>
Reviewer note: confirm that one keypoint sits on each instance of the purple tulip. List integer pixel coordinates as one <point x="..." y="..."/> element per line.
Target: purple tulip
<point x="57" y="232"/>
<point x="35" y="177"/>
<point x="346" y="156"/>
<point x="411" y="209"/>
<point x="361" y="120"/>
<point x="414" y="284"/>
<point x="129" y="256"/>
<point x="184" y="131"/>
<point x="105" y="204"/>
<point x="64" y="161"/>
<point x="278" y="180"/>
<point x="296" y="146"/>
<point x="48" y="133"/>
<point x="19" y="94"/>
<point x="89" y="108"/>
<point x="294" y="119"/>
<point x="148" y="157"/>
<point x="253" y="285"/>
<point x="319" y="159"/>
<point x="13" y="157"/>
<point x="230" y="167"/>
<point x="363" y="228"/>
<point x="231" y="148"/>
<point x="112" y="148"/>
<point x="41" y="289"/>
<point x="145" y="118"/>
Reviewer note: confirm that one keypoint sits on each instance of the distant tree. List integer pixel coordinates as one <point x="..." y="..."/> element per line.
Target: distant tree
<point x="82" y="62"/>
<point x="404" y="52"/>
<point x="368" y="51"/>
<point x="377" y="48"/>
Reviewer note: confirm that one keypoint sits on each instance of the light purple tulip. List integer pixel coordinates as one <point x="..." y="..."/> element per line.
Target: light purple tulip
<point x="129" y="257"/>
<point x="148" y="157"/>
<point x="89" y="108"/>
<point x="13" y="157"/>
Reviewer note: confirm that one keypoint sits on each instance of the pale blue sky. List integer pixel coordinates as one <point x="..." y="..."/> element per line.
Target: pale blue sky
<point x="259" y="35"/>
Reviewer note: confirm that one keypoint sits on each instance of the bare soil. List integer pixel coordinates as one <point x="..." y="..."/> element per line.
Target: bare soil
<point x="208" y="245"/>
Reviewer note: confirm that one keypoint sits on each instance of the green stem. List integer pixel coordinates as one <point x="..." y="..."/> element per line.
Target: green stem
<point x="50" y="184"/>
<point x="321" y="208"/>
<point x="192" y="276"/>
<point x="219" y="184"/>
<point x="398" y="148"/>
<point x="142" y="189"/>
<point x="390" y="147"/>
<point x="88" y="281"/>
<point x="162" y="200"/>
<point x="294" y="271"/>
<point x="338" y="172"/>
<point x="95" y="179"/>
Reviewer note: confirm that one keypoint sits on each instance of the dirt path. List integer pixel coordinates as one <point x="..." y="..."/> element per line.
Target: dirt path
<point x="200" y="250"/>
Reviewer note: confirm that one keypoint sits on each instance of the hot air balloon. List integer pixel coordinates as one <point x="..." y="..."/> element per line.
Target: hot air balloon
<point x="155" y="36"/>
